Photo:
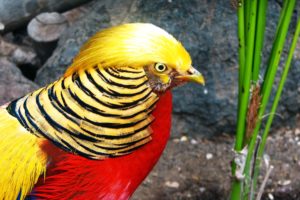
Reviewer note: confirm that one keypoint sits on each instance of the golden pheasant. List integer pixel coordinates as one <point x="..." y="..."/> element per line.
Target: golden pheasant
<point x="96" y="132"/>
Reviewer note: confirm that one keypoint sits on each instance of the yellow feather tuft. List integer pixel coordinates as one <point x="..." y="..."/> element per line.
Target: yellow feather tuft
<point x="135" y="45"/>
<point x="21" y="159"/>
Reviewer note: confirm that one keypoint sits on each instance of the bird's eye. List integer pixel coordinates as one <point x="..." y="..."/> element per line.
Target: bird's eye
<point x="160" y="67"/>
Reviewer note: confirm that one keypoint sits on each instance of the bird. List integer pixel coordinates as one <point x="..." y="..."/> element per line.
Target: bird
<point x="97" y="131"/>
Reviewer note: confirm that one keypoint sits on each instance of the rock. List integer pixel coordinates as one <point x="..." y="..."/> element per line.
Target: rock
<point x="45" y="30"/>
<point x="20" y="55"/>
<point x="208" y="29"/>
<point x="47" y="27"/>
<point x="193" y="142"/>
<point x="12" y="82"/>
<point x="270" y="196"/>
<point x="209" y="156"/>
<point x="183" y="138"/>
<point x="172" y="184"/>
<point x="284" y="182"/>
<point x="6" y="48"/>
<point x="23" y="56"/>
<point x="75" y="14"/>
<point x="15" y="14"/>
<point x="2" y="26"/>
<point x="70" y="42"/>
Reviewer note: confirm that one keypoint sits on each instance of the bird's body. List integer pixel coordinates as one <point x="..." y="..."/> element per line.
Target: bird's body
<point x="126" y="172"/>
<point x="98" y="131"/>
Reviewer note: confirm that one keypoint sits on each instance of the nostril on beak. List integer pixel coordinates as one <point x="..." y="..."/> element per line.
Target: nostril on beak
<point x="191" y="71"/>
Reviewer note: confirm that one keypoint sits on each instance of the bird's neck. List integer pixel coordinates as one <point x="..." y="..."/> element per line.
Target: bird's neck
<point x="111" y="178"/>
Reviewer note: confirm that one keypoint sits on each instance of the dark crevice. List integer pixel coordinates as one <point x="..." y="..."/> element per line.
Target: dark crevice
<point x="28" y="70"/>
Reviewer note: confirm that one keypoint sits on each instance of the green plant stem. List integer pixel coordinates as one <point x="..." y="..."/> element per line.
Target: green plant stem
<point x="236" y="187"/>
<point x="269" y="78"/>
<point x="245" y="92"/>
<point x="241" y="36"/>
<point x="259" y="41"/>
<point x="275" y="103"/>
<point x="281" y="22"/>
<point x="247" y="9"/>
<point x="283" y="10"/>
<point x="259" y="37"/>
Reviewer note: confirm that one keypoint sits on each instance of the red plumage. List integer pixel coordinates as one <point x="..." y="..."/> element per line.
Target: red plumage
<point x="71" y="176"/>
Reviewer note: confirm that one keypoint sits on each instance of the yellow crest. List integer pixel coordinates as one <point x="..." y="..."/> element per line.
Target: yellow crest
<point x="135" y="45"/>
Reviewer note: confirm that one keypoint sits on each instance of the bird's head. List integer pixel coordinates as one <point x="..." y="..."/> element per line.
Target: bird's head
<point x="140" y="45"/>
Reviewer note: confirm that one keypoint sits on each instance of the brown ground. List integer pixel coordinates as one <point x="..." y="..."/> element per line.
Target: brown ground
<point x="195" y="168"/>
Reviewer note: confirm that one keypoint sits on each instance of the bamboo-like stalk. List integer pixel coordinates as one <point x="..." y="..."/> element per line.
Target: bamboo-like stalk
<point x="248" y="72"/>
<point x="241" y="36"/>
<point x="270" y="76"/>
<point x="245" y="86"/>
<point x="283" y="10"/>
<point x="259" y="38"/>
<point x="236" y="185"/>
<point x="245" y="91"/>
<point x="275" y="103"/>
<point x="251" y="28"/>
<point x="247" y="9"/>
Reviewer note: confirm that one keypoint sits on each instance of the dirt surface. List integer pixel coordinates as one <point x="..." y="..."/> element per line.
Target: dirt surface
<point x="197" y="168"/>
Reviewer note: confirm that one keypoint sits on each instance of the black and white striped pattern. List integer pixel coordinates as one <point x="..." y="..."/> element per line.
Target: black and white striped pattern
<point x="96" y="113"/>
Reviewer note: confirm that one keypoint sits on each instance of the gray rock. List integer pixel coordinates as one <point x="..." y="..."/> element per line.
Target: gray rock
<point x="24" y="55"/>
<point x="208" y="31"/>
<point x="6" y="48"/>
<point x="19" y="54"/>
<point x="12" y="83"/>
<point x="15" y="14"/>
<point x="47" y="27"/>
<point x="70" y="42"/>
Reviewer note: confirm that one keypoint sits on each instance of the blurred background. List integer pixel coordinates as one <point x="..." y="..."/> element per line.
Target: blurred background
<point x="39" y="38"/>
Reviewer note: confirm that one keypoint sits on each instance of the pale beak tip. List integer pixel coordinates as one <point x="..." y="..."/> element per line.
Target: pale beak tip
<point x="196" y="76"/>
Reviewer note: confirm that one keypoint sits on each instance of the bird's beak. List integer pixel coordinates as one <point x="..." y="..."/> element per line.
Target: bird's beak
<point x="192" y="75"/>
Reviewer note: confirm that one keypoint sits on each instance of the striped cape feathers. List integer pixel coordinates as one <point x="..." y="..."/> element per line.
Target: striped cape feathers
<point x="96" y="113"/>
